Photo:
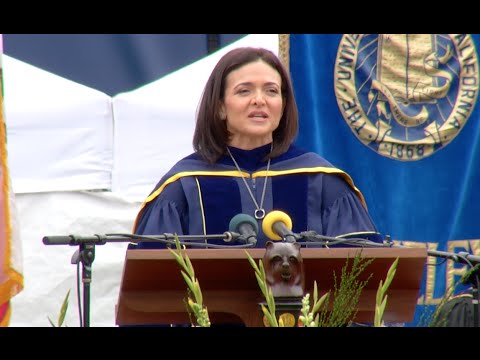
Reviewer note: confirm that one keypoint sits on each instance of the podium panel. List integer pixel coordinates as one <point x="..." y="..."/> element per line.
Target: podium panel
<point x="153" y="291"/>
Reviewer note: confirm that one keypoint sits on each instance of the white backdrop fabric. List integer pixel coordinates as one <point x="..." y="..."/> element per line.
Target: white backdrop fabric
<point x="81" y="163"/>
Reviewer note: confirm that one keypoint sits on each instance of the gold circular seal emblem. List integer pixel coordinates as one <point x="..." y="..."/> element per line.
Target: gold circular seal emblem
<point x="406" y="96"/>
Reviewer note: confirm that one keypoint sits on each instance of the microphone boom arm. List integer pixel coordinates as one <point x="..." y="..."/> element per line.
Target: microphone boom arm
<point x="167" y="238"/>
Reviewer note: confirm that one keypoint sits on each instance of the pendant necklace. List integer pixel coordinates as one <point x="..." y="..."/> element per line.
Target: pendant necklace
<point x="260" y="211"/>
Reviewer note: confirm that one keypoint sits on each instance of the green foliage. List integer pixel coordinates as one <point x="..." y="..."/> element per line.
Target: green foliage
<point x="346" y="294"/>
<point x="312" y="318"/>
<point x="381" y="300"/>
<point x="62" y="313"/>
<point x="268" y="311"/>
<point x="196" y="304"/>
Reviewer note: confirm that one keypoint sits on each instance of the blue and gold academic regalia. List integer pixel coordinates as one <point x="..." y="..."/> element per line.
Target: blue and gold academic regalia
<point x="195" y="198"/>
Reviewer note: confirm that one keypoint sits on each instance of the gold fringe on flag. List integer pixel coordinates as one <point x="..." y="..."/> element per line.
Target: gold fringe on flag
<point x="284" y="49"/>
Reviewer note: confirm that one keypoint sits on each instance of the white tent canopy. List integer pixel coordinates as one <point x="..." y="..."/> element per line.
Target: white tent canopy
<point x="59" y="132"/>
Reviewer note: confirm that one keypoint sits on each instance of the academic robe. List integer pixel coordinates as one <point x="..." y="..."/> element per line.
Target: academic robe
<point x="195" y="198"/>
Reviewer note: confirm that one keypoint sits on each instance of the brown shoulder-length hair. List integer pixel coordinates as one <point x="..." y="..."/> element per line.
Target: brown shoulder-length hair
<point x="211" y="136"/>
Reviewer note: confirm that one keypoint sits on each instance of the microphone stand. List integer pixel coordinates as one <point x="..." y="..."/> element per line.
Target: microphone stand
<point x="86" y="253"/>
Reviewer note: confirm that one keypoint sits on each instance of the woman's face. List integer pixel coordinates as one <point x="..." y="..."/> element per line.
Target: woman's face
<point x="253" y="104"/>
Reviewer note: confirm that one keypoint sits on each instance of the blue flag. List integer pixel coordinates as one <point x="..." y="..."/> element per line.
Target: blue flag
<point x="398" y="113"/>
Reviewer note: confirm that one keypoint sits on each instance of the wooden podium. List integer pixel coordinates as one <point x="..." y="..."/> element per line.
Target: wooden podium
<point x="152" y="290"/>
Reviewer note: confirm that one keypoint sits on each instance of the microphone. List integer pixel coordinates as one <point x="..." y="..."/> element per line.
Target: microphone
<point x="247" y="226"/>
<point x="277" y="226"/>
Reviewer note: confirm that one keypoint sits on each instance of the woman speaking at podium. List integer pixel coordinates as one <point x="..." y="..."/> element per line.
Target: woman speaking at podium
<point x="245" y="162"/>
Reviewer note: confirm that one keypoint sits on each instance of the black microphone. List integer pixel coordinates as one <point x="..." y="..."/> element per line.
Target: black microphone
<point x="74" y="240"/>
<point x="277" y="226"/>
<point x="247" y="226"/>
